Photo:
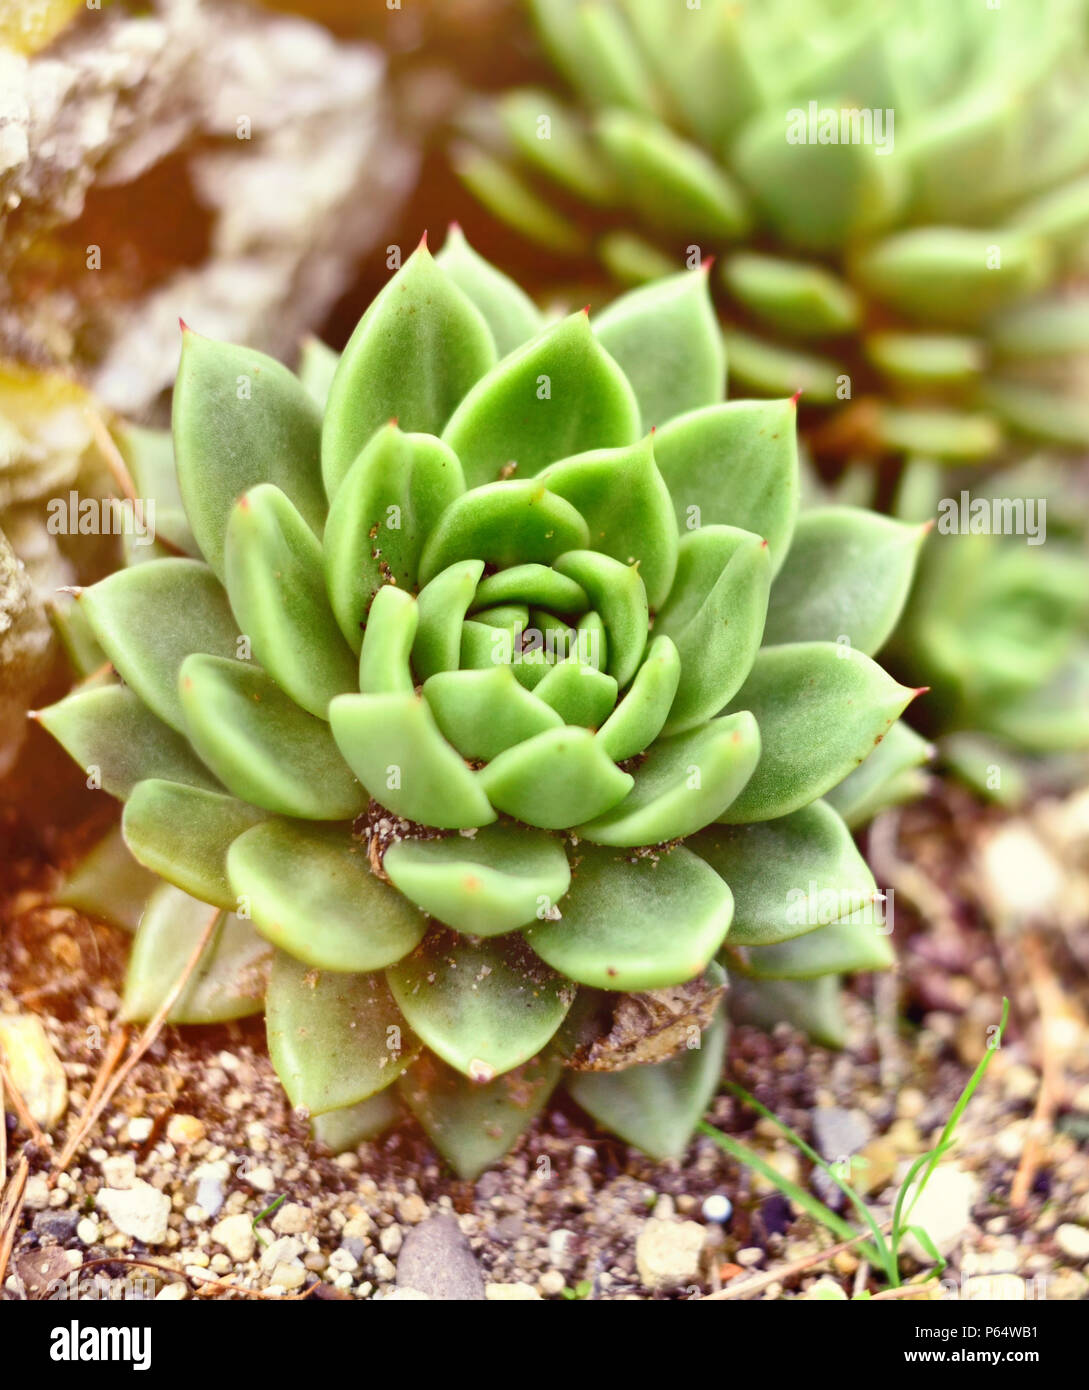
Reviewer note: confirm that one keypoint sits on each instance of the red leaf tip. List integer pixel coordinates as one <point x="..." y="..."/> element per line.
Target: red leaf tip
<point x="423" y="242"/>
<point x="183" y="325"/>
<point x="796" y="396"/>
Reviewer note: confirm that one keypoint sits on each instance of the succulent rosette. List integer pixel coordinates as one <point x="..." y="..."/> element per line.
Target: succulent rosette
<point x="499" y="688"/>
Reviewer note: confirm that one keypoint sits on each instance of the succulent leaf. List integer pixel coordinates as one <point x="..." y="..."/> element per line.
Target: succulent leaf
<point x="383" y="511"/>
<point x="561" y="394"/>
<point x="484" y="1007"/>
<point x="484" y="712"/>
<point x="311" y="892"/>
<point x="334" y="1039"/>
<point x="416" y="352"/>
<point x="503" y="524"/>
<point x="636" y="926"/>
<point x="834" y="703"/>
<point x="501" y="878"/>
<point x="262" y="746"/>
<point x="276" y="585"/>
<point x="195" y="861"/>
<point x="510" y="314"/>
<point x="149" y="618"/>
<point x="555" y="779"/>
<point x="240" y="418"/>
<point x="229" y="980"/>
<point x="666" y="338"/>
<point x="783" y="872"/>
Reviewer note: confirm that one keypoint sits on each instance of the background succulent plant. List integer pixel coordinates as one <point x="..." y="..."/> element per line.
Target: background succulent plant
<point x="921" y="243"/>
<point x="923" y="287"/>
<point x="446" y="673"/>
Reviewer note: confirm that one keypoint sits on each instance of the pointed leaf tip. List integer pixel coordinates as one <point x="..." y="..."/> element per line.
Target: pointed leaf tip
<point x="796" y="396"/>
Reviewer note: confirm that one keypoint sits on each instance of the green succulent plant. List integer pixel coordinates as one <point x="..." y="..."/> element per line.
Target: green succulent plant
<point x="497" y="686"/>
<point x="904" y="264"/>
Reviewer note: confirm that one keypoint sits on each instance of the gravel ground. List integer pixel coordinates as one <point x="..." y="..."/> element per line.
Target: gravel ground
<point x="183" y="1167"/>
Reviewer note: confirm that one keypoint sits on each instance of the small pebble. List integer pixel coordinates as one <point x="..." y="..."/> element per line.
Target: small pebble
<point x="1073" y="1241"/>
<point x="717" y="1208"/>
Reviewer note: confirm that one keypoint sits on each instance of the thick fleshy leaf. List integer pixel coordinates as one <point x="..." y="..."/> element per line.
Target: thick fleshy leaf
<point x="952" y="274"/>
<point x="715" y="616"/>
<point x="618" y="596"/>
<point x="317" y="367"/>
<point x="503" y="524"/>
<point x="792" y="296"/>
<point x="668" y="343"/>
<point x="891" y="774"/>
<point x="383" y="511"/>
<point x="117" y="741"/>
<point x="560" y="394"/>
<point x="276" y="585"/>
<point x="485" y="711"/>
<point x="816" y="197"/>
<point x="393" y="745"/>
<point x="494" y="184"/>
<point x="763" y="368"/>
<point x="684" y="783"/>
<point x="508" y="311"/>
<point x="540" y="585"/>
<point x="342" y="1130"/>
<point x="641" y="715"/>
<point x="501" y="878"/>
<point x="417" y="350"/>
<point x="384" y="662"/>
<point x="578" y="693"/>
<point x="568" y="156"/>
<point x="626" y="504"/>
<point x="150" y="617"/>
<point x="814" y="1006"/>
<point x="149" y="456"/>
<point x="821" y="709"/>
<point x="848" y="575"/>
<point x="442" y="605"/>
<point x="484" y="1007"/>
<point x="734" y="465"/>
<point x="310" y="890"/>
<point x="636" y="926"/>
<point x="839" y="948"/>
<point x="183" y="834"/>
<point x="473" y="1125"/>
<point x="334" y="1039"/>
<point x="788" y="876"/>
<point x="656" y="1106"/>
<point x="108" y="884"/>
<point x="263" y="747"/>
<point x="555" y="779"/>
<point x="240" y="418"/>
<point x="672" y="184"/>
<point x="229" y="980"/>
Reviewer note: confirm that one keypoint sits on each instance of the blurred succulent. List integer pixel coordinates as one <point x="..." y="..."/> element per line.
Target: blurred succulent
<point x="999" y="620"/>
<point x="445" y="678"/>
<point x="906" y="181"/>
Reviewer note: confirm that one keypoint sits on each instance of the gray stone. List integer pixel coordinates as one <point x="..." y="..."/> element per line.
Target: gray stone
<point x="56" y="1225"/>
<point x="436" y="1260"/>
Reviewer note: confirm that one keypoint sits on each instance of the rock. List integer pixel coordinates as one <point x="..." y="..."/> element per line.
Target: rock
<point x="138" y="1131"/>
<point x="185" y="1131"/>
<point x="36" y="1193"/>
<point x="289" y="1276"/>
<point x="235" y="1234"/>
<point x="211" y="1183"/>
<point x="511" y="1293"/>
<point x="173" y="1292"/>
<point x="34" y="1068"/>
<point x="292" y="1219"/>
<point x="551" y="1283"/>
<point x="140" y="1211"/>
<point x="281" y="1251"/>
<point x="839" y="1133"/>
<point x="411" y="1210"/>
<point x="56" y="1225"/>
<point x="436" y="1259"/>
<point x="343" y="1261"/>
<point x="1073" y="1241"/>
<point x="119" y="1170"/>
<point x="717" y="1208"/>
<point x="1067" y="1286"/>
<point x="825" y="1291"/>
<point x="944" y="1210"/>
<point x="402" y="1295"/>
<point x="391" y="1240"/>
<point x="87" y="1231"/>
<point x="667" y="1253"/>
<point x="993" y="1288"/>
<point x="881" y="1158"/>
